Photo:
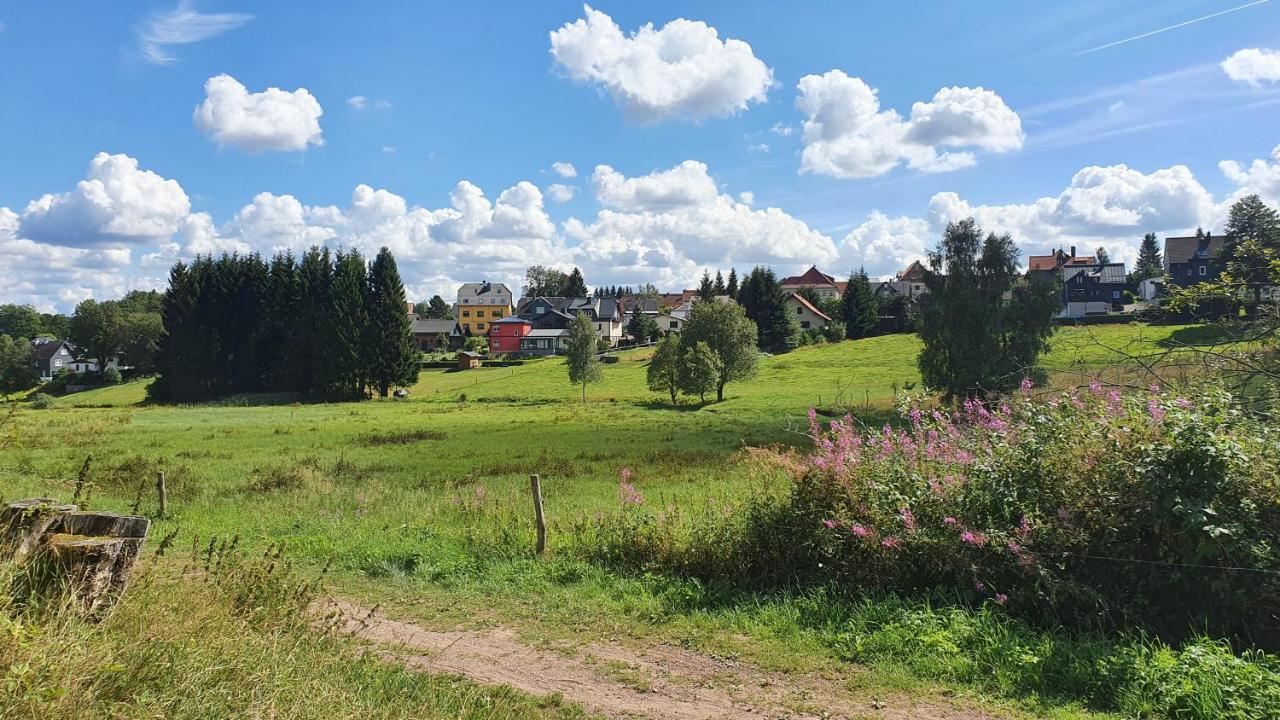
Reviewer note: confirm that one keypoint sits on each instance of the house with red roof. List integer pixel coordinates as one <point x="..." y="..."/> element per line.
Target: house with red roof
<point x="807" y="315"/>
<point x="822" y="284"/>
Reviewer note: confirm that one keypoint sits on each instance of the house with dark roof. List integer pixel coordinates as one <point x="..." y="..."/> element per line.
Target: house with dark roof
<point x="807" y="315"/>
<point x="431" y="334"/>
<point x="1092" y="289"/>
<point x="50" y="356"/>
<point x="505" y="334"/>
<point x="558" y="313"/>
<point x="823" y="285"/>
<point x="1194" y="259"/>
<point x="480" y="303"/>
<point x="908" y="283"/>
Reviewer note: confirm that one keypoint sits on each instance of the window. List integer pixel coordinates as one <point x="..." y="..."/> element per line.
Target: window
<point x="1115" y="294"/>
<point x="799" y="310"/>
<point x="1203" y="270"/>
<point x="673" y="325"/>
<point x="539" y="310"/>
<point x="479" y="326"/>
<point x="466" y="313"/>
<point x="804" y="324"/>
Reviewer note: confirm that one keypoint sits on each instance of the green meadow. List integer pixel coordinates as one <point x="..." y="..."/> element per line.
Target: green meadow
<point x="422" y="504"/>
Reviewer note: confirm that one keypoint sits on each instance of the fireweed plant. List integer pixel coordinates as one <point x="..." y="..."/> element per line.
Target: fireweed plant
<point x="1096" y="508"/>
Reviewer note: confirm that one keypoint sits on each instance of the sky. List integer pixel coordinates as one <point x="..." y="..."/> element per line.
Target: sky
<point x="641" y="142"/>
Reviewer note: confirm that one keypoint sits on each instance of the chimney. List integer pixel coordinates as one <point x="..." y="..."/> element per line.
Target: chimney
<point x="1073" y="251"/>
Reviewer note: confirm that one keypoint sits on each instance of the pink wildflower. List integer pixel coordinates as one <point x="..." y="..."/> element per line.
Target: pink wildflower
<point x="860" y="531"/>
<point x="629" y="495"/>
<point x="979" y="586"/>
<point x="908" y="520"/>
<point x="1026" y="386"/>
<point x="1014" y="547"/>
<point x="891" y="542"/>
<point x="1095" y="387"/>
<point x="1182" y="403"/>
<point x="916" y="416"/>
<point x="1001" y="598"/>
<point x="948" y="520"/>
<point x="626" y="474"/>
<point x="830" y="524"/>
<point x="1154" y="410"/>
<point x="972" y="538"/>
<point x="1024" y="527"/>
<point x="1063" y="514"/>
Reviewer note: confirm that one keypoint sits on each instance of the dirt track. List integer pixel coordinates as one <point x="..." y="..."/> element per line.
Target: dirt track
<point x="655" y="682"/>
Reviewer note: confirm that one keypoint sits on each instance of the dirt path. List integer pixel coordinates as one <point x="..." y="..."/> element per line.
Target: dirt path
<point x="619" y="682"/>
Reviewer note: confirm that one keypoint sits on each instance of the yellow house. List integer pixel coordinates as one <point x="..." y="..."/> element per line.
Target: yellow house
<point x="480" y="304"/>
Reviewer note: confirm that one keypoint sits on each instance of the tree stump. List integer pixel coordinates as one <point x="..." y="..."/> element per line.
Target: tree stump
<point x="92" y="553"/>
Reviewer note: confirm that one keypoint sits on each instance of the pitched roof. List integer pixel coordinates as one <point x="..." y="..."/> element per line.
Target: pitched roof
<point x="513" y="319"/>
<point x="432" y="326"/>
<point x="800" y="298"/>
<point x="46" y="350"/>
<point x="547" y="333"/>
<point x="482" y="289"/>
<point x="1183" y="249"/>
<point x="812" y="276"/>
<point x="1110" y="274"/>
<point x="1056" y="260"/>
<point x="914" y="272"/>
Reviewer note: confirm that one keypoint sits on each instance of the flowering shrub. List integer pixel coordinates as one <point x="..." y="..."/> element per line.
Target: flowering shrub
<point x="1094" y="507"/>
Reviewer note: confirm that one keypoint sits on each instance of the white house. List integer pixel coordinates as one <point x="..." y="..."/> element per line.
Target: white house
<point x="807" y="315"/>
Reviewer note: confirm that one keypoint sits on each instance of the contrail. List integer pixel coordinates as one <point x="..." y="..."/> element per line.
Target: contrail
<point x="1171" y="27"/>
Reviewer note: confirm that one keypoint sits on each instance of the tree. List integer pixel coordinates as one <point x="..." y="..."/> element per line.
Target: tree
<point x="345" y="375"/>
<point x="706" y="288"/>
<point x="719" y="286"/>
<point x="765" y="303"/>
<point x="575" y="286"/>
<point x="1150" y="263"/>
<point x="17" y="367"/>
<point x="975" y="342"/>
<point x="1101" y="255"/>
<point x="139" y="340"/>
<point x="582" y="357"/>
<point x="642" y="327"/>
<point x="542" y="281"/>
<point x="731" y="288"/>
<point x="859" y="306"/>
<point x="663" y="373"/>
<point x="20" y="321"/>
<point x="1251" y="223"/>
<point x="730" y="334"/>
<point x="699" y="370"/>
<point x="97" y="327"/>
<point x="391" y="357"/>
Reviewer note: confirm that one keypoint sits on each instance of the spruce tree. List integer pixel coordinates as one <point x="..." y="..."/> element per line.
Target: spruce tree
<point x="576" y="286"/>
<point x="179" y="340"/>
<point x="281" y="312"/>
<point x="391" y="357"/>
<point x="731" y="288"/>
<point x="315" y="278"/>
<point x="859" y="306"/>
<point x="719" y="284"/>
<point x="1150" y="263"/>
<point x="706" y="288"/>
<point x="765" y="303"/>
<point x="346" y="328"/>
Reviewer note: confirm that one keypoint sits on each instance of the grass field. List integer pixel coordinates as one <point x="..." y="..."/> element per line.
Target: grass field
<point x="422" y="503"/>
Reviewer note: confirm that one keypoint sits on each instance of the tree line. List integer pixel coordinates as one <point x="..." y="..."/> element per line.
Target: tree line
<point x="326" y="326"/>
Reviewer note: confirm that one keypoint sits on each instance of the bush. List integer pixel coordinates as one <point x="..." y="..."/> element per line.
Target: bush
<point x="111" y="376"/>
<point x="835" y="331"/>
<point x="42" y="401"/>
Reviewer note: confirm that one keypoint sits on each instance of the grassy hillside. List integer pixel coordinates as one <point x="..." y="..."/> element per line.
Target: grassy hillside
<point x="427" y="498"/>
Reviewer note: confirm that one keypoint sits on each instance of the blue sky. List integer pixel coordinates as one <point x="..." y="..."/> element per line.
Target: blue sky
<point x="746" y="133"/>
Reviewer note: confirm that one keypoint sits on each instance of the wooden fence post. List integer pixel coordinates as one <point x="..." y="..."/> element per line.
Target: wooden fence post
<point x="535" y="484"/>
<point x="164" y="494"/>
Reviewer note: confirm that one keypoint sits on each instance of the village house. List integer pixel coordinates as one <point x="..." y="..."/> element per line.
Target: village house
<point x="1194" y="259"/>
<point x="807" y="315"/>
<point x="1092" y="289"/>
<point x="431" y="334"/>
<point x="824" y="286"/>
<point x="50" y="356"/>
<point x="558" y="313"/>
<point x="479" y="304"/>
<point x="1049" y="267"/>
<point x="505" y="335"/>
<point x="908" y="283"/>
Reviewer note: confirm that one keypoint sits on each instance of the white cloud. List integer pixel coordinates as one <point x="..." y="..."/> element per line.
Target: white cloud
<point x="759" y="147"/>
<point x="561" y="193"/>
<point x="564" y="169"/>
<point x="274" y="119"/>
<point x="666" y="226"/>
<point x="884" y="245"/>
<point x="180" y="26"/>
<point x="1254" y="66"/>
<point x="783" y="130"/>
<point x="1260" y="177"/>
<point x="389" y="149"/>
<point x="357" y="102"/>
<point x="682" y="70"/>
<point x="847" y="135"/>
<point x="115" y="203"/>
<point x="746" y="197"/>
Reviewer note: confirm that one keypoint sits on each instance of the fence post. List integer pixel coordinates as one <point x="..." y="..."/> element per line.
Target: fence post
<point x="163" y="492"/>
<point x="535" y="484"/>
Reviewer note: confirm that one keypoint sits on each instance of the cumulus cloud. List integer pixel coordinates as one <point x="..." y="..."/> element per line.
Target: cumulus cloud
<point x="682" y="70"/>
<point x="561" y="193"/>
<point x="564" y="169"/>
<point x="181" y="26"/>
<point x="847" y="135"/>
<point x="274" y="119"/>
<point x="358" y="102"/>
<point x="666" y="226"/>
<point x="1260" y="177"/>
<point x="116" y="203"/>
<point x="1254" y="66"/>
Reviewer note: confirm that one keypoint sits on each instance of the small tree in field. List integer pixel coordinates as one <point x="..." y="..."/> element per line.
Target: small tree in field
<point x="730" y="334"/>
<point x="583" y="362"/>
<point x="699" y="371"/>
<point x="664" y="368"/>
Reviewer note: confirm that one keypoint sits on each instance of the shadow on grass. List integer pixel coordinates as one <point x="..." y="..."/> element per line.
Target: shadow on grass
<point x="1208" y="334"/>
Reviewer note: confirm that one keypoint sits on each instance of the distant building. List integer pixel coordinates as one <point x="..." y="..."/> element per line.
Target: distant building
<point x="546" y="341"/>
<point x="50" y="356"/>
<point x="908" y="283"/>
<point x="1092" y="289"/>
<point x="505" y="335"/>
<point x="558" y="313"/>
<point x="480" y="304"/>
<point x="1049" y="266"/>
<point x="1194" y="259"/>
<point x="823" y="285"/>
<point x="468" y="360"/>
<point x="431" y="334"/>
<point x="807" y="315"/>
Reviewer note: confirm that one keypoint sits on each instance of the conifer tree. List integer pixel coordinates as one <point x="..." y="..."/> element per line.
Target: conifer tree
<point x="438" y="309"/>
<point x="859" y="306"/>
<point x="765" y="303"/>
<point x="576" y="285"/>
<point x="719" y="284"/>
<point x="315" y="278"/>
<point x="281" y="312"/>
<point x="346" y="328"/>
<point x="706" y="288"/>
<point x="731" y="288"/>
<point x="391" y="358"/>
<point x="1150" y="263"/>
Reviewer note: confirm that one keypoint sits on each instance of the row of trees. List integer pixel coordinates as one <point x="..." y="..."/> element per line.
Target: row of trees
<point x="434" y="309"/>
<point x="326" y="326"/>
<point x="542" y="281"/>
<point x="26" y="322"/>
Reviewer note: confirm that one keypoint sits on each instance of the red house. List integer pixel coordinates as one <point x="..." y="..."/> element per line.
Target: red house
<point x="505" y="334"/>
